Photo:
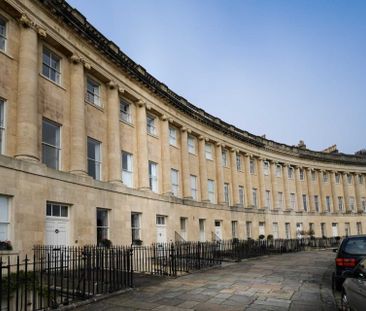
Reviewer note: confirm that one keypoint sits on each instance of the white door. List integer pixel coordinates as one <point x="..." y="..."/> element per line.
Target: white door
<point x="218" y="231"/>
<point x="57" y="232"/>
<point x="161" y="229"/>
<point x="335" y="230"/>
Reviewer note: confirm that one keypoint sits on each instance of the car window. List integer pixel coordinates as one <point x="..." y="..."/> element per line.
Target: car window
<point x="355" y="246"/>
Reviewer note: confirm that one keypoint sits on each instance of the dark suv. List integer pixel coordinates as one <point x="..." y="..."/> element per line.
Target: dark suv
<point x="349" y="253"/>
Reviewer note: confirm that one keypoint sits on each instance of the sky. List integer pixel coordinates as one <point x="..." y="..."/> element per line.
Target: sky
<point x="289" y="69"/>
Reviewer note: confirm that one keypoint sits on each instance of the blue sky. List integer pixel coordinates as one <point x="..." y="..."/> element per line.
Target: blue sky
<point x="289" y="69"/>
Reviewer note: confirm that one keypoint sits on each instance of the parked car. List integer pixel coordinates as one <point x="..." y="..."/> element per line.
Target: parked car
<point x="354" y="288"/>
<point x="349" y="253"/>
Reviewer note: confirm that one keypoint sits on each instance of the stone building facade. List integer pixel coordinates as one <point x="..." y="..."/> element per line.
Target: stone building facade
<point x="94" y="147"/>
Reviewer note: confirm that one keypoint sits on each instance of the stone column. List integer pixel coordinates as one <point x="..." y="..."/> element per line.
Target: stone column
<point x="322" y="201"/>
<point x="285" y="186"/>
<point x="262" y="190"/>
<point x="27" y="93"/>
<point x="310" y="189"/>
<point x="142" y="158"/>
<point x="345" y="191"/>
<point x="185" y="164"/>
<point x="334" y="192"/>
<point x="203" y="168"/>
<point x="234" y="177"/>
<point x="273" y="183"/>
<point x="219" y="174"/>
<point x="357" y="192"/>
<point x="298" y="188"/>
<point x="165" y="156"/>
<point x="78" y="139"/>
<point x="248" y="181"/>
<point x="114" y="145"/>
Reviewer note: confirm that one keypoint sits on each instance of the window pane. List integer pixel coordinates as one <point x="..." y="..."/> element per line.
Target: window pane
<point x="46" y="57"/>
<point x="50" y="156"/>
<point x="4" y="232"/>
<point x="4" y="209"/>
<point x="102" y="234"/>
<point x="56" y="210"/>
<point x="102" y="217"/>
<point x="64" y="211"/>
<point x="49" y="210"/>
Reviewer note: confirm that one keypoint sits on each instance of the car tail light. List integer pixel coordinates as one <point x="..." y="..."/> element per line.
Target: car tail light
<point x="346" y="262"/>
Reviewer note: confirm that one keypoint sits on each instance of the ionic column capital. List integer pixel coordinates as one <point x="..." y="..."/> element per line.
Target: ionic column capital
<point x="75" y="59"/>
<point x="112" y="85"/>
<point x="140" y="103"/>
<point x="164" y="118"/>
<point x="184" y="129"/>
<point x="26" y="21"/>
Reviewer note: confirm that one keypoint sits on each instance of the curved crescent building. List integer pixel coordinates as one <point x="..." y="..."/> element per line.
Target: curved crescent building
<point x="93" y="147"/>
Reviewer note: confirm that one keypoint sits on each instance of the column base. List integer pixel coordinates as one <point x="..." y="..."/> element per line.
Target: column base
<point x="188" y="198"/>
<point x="145" y="189"/>
<point x="116" y="181"/>
<point x="27" y="157"/>
<point x="79" y="173"/>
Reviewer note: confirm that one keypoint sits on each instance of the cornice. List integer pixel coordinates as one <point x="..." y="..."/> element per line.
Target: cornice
<point x="79" y="24"/>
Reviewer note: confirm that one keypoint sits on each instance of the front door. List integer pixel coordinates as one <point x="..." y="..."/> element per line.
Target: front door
<point x="161" y="229"/>
<point x="218" y="231"/>
<point x="335" y="230"/>
<point x="57" y="224"/>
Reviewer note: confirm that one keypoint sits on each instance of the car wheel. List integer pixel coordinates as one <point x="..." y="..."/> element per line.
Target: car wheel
<point x="344" y="302"/>
<point x="336" y="283"/>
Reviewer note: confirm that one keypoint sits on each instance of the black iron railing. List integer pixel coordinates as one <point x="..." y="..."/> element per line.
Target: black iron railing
<point x="57" y="276"/>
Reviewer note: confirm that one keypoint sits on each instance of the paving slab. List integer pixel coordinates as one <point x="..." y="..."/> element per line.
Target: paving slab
<point x="295" y="282"/>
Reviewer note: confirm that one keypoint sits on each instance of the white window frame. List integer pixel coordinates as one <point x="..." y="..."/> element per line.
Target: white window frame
<point x="153" y="176"/>
<point x="255" y="197"/>
<point x="173" y="140"/>
<point x="238" y="162"/>
<point x="290" y="172"/>
<point x="349" y="179"/>
<point x="127" y="171"/>
<point x="262" y="228"/>
<point x="103" y="227"/>
<point x="301" y="174"/>
<point x="328" y="203"/>
<point x="51" y="207"/>
<point x="280" y="200"/>
<point x="57" y="147"/>
<point x="202" y="229"/>
<point x="4" y="36"/>
<point x="51" y="69"/>
<point x="305" y="202"/>
<point x="363" y="203"/>
<point x="249" y="229"/>
<point x="191" y="144"/>
<point x="208" y="151"/>
<point x="174" y="178"/>
<point x="275" y="230"/>
<point x="184" y="227"/>
<point x="93" y="96"/>
<point x="97" y="162"/>
<point x="325" y="177"/>
<point x="5" y="222"/>
<point x="352" y="203"/>
<point x="224" y="157"/>
<point x="241" y="195"/>
<point x="288" y="230"/>
<point x="337" y="178"/>
<point x="268" y="199"/>
<point x="2" y="125"/>
<point x="340" y="203"/>
<point x="359" y="227"/>
<point x="151" y="124"/>
<point x="316" y="203"/>
<point x="252" y="166"/>
<point x="194" y="190"/>
<point x="211" y="190"/>
<point x="227" y="193"/>
<point x="278" y="170"/>
<point x="266" y="168"/>
<point x="234" y="229"/>
<point x="125" y="111"/>
<point x="135" y="227"/>
<point x="292" y="201"/>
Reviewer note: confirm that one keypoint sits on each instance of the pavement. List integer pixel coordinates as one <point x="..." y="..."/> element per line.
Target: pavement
<point x="296" y="282"/>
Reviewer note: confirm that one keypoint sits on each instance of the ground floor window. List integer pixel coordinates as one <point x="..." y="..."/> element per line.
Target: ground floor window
<point x="202" y="223"/>
<point x="359" y="228"/>
<point x="57" y="210"/>
<point x="347" y="229"/>
<point x="262" y="230"/>
<point x="4" y="218"/>
<point x="288" y="230"/>
<point x="323" y="229"/>
<point x="248" y="228"/>
<point x="234" y="229"/>
<point x="102" y="225"/>
<point x="334" y="229"/>
<point x="136" y="228"/>
<point x="275" y="230"/>
<point x="183" y="228"/>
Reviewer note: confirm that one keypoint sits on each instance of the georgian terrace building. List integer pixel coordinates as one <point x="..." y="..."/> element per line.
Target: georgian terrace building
<point x="92" y="146"/>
